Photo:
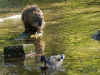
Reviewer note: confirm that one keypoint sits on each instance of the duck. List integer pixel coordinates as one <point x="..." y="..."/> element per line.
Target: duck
<point x="52" y="62"/>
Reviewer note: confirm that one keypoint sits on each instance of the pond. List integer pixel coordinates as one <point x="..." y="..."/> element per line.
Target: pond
<point x="68" y="31"/>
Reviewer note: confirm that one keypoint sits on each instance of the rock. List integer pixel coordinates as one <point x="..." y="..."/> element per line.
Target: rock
<point x="17" y="50"/>
<point x="96" y="35"/>
<point x="14" y="51"/>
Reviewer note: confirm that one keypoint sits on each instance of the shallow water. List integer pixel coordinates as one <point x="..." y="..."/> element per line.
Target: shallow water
<point x="68" y="31"/>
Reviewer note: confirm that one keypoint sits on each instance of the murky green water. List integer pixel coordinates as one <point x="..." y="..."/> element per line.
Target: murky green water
<point x="68" y="30"/>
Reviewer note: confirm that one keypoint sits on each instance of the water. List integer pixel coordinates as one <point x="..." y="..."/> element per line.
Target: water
<point x="68" y="31"/>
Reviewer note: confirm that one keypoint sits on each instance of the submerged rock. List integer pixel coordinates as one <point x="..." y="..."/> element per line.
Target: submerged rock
<point x="96" y="35"/>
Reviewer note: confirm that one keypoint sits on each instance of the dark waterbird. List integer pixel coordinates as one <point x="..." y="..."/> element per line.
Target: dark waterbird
<point x="52" y="64"/>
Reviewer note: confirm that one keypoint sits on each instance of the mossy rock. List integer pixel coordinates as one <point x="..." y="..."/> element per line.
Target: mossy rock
<point x="17" y="50"/>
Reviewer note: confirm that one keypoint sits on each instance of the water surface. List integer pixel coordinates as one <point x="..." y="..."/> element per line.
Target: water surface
<point x="68" y="30"/>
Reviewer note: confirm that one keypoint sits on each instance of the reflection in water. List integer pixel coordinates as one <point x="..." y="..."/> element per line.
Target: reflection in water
<point x="16" y="61"/>
<point x="52" y="70"/>
<point x="39" y="48"/>
<point x="39" y="45"/>
<point x="12" y="64"/>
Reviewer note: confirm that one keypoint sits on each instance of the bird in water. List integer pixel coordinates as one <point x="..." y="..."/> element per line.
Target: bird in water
<point x="52" y="63"/>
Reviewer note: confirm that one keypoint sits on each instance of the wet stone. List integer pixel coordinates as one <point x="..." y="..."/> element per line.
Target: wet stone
<point x="14" y="51"/>
<point x="96" y="35"/>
